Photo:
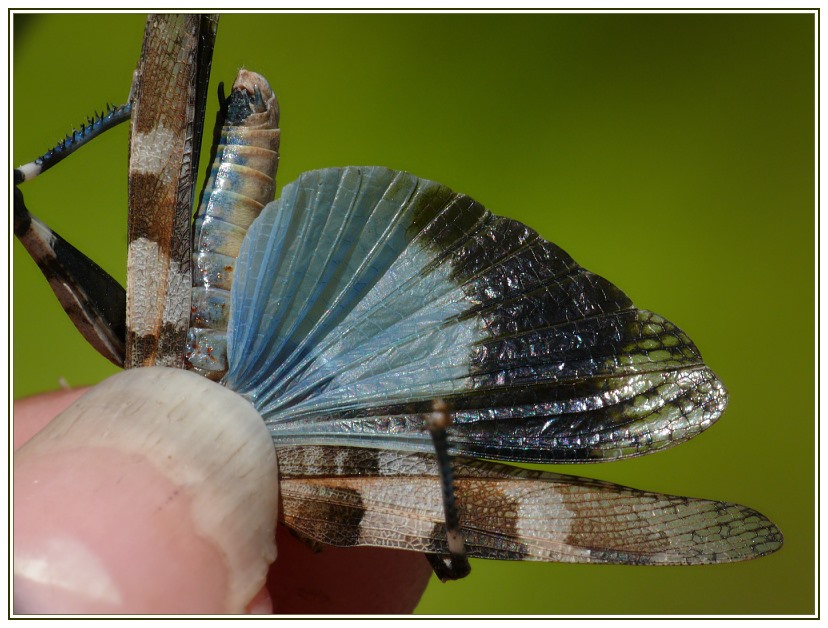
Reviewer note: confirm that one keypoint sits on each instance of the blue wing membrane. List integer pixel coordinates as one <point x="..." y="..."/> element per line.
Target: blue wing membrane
<point x="363" y="294"/>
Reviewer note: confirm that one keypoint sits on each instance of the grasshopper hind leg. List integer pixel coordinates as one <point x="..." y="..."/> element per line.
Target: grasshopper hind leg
<point x="446" y="568"/>
<point x="455" y="565"/>
<point x="92" y="128"/>
<point x="94" y="301"/>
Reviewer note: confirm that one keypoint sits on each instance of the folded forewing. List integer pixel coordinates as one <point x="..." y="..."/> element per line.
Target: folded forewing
<point x="355" y="496"/>
<point x="168" y="95"/>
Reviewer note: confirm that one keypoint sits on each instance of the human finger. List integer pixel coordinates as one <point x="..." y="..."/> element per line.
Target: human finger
<point x="170" y="511"/>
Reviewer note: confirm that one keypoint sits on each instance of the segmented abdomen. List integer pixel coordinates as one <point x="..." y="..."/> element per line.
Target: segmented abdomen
<point x="241" y="183"/>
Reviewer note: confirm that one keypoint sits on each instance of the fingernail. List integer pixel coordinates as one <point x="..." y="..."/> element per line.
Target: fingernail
<point x="156" y="492"/>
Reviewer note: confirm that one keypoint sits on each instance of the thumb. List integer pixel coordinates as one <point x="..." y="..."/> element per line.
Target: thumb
<point x="155" y="492"/>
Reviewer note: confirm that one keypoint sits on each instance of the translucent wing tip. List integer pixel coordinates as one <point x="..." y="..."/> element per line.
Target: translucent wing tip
<point x="599" y="522"/>
<point x="767" y="538"/>
<point x="704" y="532"/>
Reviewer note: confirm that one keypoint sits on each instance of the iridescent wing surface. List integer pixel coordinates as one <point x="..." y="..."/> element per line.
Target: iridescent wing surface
<point x="363" y="294"/>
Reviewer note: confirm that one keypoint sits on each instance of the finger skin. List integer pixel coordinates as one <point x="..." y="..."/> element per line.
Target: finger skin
<point x="33" y="413"/>
<point x="336" y="580"/>
<point x="149" y="477"/>
<point x="120" y="530"/>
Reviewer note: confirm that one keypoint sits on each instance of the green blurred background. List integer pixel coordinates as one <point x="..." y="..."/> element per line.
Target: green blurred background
<point x="671" y="153"/>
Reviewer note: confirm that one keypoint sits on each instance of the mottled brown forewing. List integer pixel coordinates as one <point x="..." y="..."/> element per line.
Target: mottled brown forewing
<point x="167" y="93"/>
<point x="350" y="496"/>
